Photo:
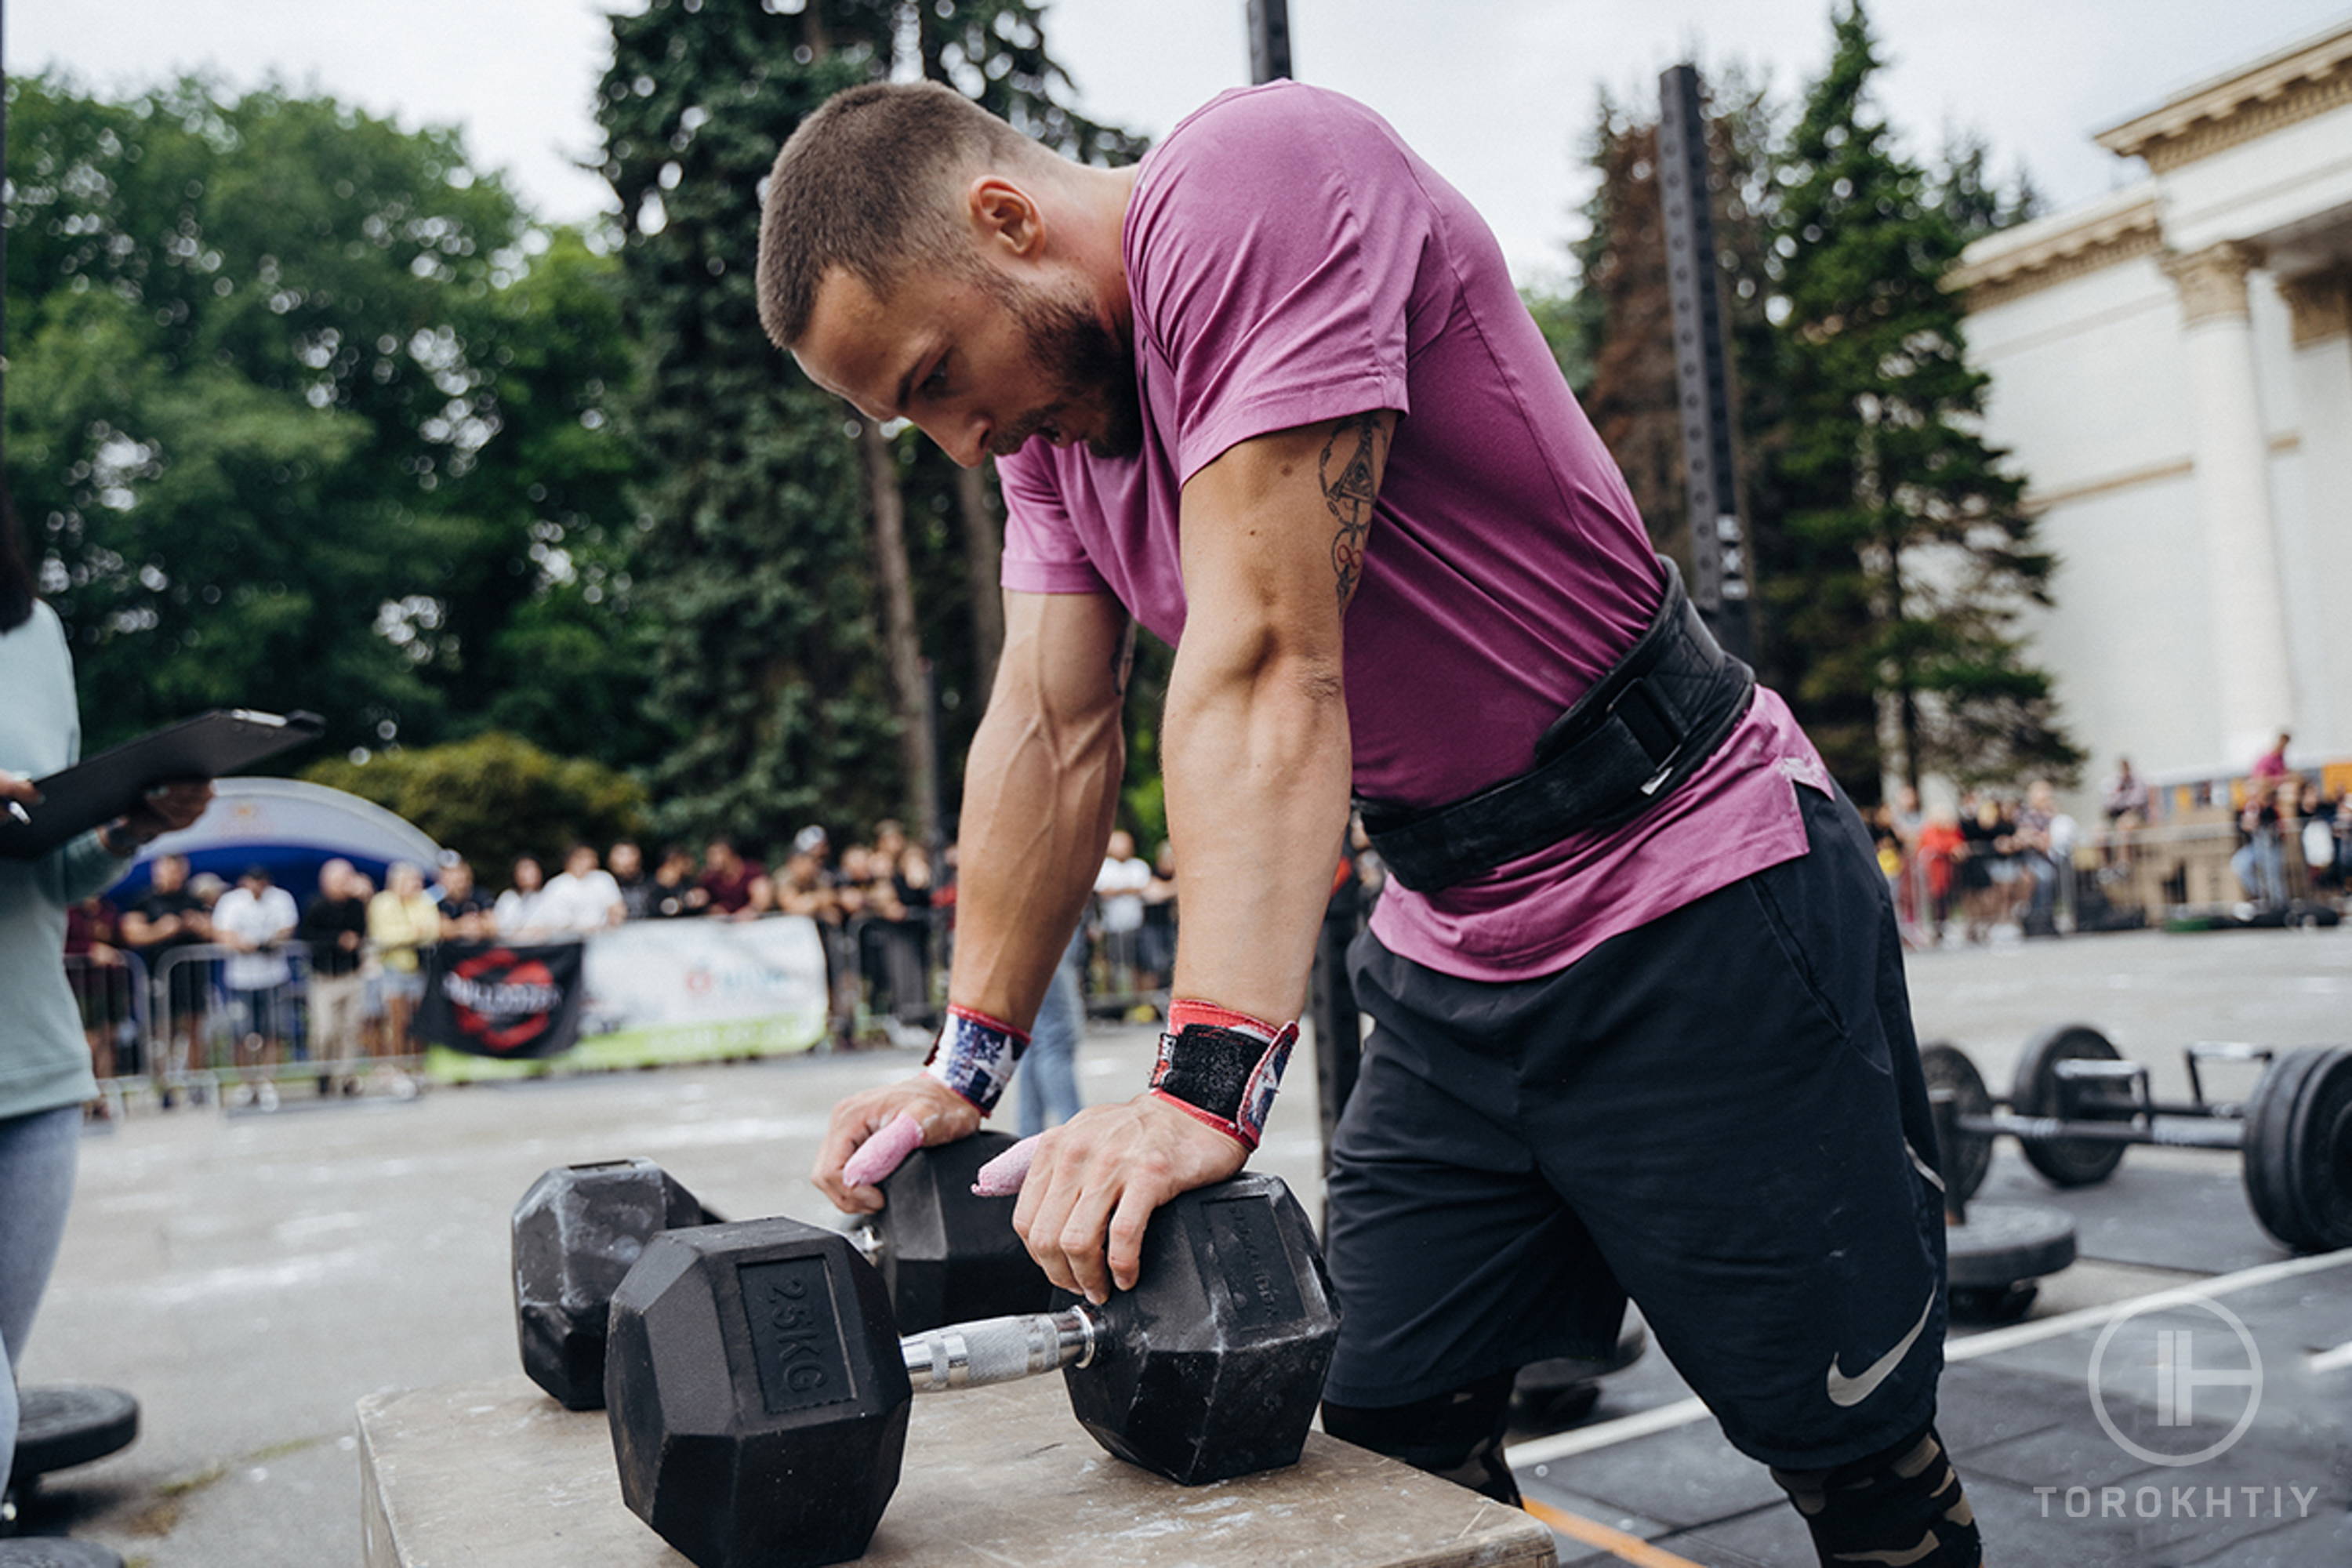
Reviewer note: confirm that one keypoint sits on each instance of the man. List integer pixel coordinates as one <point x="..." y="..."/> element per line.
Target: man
<point x="251" y="919"/>
<point x="1119" y="895"/>
<point x="335" y="927"/>
<point x="168" y="921"/>
<point x="582" y="897"/>
<point x="1637" y="982"/>
<point x="639" y="892"/>
<point x="464" y="913"/>
<point x="733" y="888"/>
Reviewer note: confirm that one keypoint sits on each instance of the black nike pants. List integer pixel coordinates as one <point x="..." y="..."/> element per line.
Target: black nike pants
<point x="1720" y="1114"/>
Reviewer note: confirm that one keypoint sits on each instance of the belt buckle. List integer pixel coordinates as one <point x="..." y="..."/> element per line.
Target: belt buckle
<point x="1674" y="754"/>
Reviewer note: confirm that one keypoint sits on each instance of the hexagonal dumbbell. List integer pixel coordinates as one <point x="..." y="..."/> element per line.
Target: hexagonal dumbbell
<point x="758" y="1393"/>
<point x="943" y="1253"/>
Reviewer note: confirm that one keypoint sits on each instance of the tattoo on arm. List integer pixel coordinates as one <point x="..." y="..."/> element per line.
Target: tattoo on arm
<point x="1350" y="477"/>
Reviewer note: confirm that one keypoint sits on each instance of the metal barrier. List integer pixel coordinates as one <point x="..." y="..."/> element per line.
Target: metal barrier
<point x="110" y="994"/>
<point x="2129" y="878"/>
<point x="198" y="1037"/>
<point x="889" y="977"/>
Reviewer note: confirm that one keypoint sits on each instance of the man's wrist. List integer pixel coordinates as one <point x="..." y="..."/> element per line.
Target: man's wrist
<point x="975" y="1055"/>
<point x="117" y="840"/>
<point x="1223" y="1067"/>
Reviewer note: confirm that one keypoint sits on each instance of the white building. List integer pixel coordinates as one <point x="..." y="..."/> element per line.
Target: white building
<point x="2172" y="368"/>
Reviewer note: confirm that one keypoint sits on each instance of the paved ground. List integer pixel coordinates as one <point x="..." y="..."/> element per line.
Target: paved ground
<point x="251" y="1278"/>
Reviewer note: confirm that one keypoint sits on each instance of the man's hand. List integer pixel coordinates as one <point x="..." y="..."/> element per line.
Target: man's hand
<point x="16" y="787"/>
<point x="1099" y="1177"/>
<point x="945" y="1115"/>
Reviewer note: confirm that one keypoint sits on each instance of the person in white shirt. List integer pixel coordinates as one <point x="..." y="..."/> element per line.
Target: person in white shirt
<point x="582" y="898"/>
<point x="1120" y="883"/>
<point x="251" y="919"/>
<point x="517" y="912"/>
<point x="1119" y="891"/>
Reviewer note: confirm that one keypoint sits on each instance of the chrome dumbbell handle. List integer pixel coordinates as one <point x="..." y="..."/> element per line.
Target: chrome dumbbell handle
<point x="999" y="1350"/>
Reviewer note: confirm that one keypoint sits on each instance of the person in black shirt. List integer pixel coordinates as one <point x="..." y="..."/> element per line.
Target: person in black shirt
<point x="335" y="928"/>
<point x="464" y="913"/>
<point x="640" y="894"/>
<point x="169" y="919"/>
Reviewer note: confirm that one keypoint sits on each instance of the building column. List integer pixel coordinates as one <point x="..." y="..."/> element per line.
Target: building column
<point x="2316" y="557"/>
<point x="2251" y="674"/>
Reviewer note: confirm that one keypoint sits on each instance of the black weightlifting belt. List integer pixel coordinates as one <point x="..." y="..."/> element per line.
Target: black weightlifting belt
<point x="1627" y="744"/>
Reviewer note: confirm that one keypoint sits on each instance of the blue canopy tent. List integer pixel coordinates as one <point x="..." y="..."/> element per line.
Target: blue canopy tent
<point x="292" y="828"/>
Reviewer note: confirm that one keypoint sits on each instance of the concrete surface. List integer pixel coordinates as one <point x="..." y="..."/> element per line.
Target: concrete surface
<point x="252" y="1278"/>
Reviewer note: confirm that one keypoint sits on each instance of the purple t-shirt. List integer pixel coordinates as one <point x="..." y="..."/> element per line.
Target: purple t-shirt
<point x="1291" y="261"/>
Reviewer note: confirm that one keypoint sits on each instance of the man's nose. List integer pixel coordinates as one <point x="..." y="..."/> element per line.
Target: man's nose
<point x="963" y="437"/>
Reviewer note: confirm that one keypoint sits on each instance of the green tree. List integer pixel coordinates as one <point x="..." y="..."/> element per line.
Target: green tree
<point x="1901" y="557"/>
<point x="278" y="369"/>
<point x="793" y="633"/>
<point x="496" y="797"/>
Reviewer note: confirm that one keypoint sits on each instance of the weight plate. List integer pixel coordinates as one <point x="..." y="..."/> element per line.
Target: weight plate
<point x="2004" y="1244"/>
<point x="2299" y="1170"/>
<point x="2068" y="1162"/>
<point x="1971" y="1154"/>
<point x="58" y="1428"/>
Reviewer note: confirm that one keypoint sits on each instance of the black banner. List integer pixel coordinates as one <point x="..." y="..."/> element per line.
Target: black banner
<point x="511" y="999"/>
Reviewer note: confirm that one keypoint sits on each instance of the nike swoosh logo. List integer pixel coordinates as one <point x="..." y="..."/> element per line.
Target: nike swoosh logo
<point x="1850" y="1391"/>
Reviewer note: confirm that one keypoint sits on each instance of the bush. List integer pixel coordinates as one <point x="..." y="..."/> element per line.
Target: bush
<point x="496" y="797"/>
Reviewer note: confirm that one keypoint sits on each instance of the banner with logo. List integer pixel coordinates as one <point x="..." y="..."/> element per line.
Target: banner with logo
<point x="672" y="991"/>
<point x="510" y="1001"/>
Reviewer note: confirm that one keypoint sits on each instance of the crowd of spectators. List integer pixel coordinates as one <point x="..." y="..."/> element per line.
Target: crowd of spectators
<point x="236" y="1003"/>
<point x="2002" y="863"/>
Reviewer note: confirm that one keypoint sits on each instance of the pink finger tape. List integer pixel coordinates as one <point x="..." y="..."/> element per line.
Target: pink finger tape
<point x="1002" y="1177"/>
<point x="882" y="1153"/>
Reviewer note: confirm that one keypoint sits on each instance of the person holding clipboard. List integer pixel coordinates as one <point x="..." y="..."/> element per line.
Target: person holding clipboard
<point x="45" y="1068"/>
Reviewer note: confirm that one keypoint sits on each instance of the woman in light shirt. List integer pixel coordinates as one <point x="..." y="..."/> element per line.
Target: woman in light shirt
<point x="402" y="922"/>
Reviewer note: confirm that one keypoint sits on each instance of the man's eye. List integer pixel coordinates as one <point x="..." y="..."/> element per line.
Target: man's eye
<point x="936" y="382"/>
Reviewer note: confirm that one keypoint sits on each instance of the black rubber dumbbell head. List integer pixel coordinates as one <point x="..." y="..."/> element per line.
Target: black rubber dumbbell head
<point x="1213" y="1366"/>
<point x="576" y="1234"/>
<point x="947" y="1254"/>
<point x="755" y="1394"/>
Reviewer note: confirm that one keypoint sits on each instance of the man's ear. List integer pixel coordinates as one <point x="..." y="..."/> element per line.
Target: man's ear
<point x="1005" y="217"/>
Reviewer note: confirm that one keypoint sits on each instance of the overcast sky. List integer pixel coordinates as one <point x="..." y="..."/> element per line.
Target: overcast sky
<point x="1498" y="94"/>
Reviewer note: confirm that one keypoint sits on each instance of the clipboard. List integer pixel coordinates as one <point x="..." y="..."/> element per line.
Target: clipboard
<point x="97" y="790"/>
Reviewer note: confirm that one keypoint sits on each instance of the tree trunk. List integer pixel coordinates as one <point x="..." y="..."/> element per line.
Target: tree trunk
<point x="899" y="638"/>
<point x="984" y="549"/>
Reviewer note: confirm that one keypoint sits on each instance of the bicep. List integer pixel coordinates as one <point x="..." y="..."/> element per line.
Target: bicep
<point x="1274" y="529"/>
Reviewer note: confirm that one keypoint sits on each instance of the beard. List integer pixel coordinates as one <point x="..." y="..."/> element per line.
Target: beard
<point x="1089" y="368"/>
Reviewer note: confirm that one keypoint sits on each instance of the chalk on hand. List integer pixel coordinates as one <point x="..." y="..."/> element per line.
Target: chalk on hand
<point x="1002" y="1177"/>
<point x="882" y="1153"/>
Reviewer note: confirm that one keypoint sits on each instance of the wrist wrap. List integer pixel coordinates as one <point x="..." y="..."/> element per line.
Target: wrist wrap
<point x="1223" y="1067"/>
<point x="975" y="1055"/>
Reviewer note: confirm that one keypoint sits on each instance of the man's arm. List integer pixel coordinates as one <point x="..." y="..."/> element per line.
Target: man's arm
<point x="1039" y="789"/>
<point x="1256" y="761"/>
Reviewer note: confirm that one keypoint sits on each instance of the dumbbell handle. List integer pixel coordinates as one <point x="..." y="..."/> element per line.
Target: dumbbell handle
<point x="999" y="1350"/>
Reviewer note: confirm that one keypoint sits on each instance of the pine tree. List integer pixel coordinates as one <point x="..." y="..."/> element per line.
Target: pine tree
<point x="820" y="579"/>
<point x="1901" y="558"/>
<point x="754" y="559"/>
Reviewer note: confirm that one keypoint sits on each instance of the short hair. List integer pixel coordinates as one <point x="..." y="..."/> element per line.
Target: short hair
<point x="860" y="186"/>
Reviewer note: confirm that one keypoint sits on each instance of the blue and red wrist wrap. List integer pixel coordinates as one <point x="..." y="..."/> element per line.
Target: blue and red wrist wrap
<point x="975" y="1055"/>
<point x="1222" y="1068"/>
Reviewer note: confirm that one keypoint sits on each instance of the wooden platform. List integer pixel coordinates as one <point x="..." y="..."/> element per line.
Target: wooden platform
<point x="500" y="1475"/>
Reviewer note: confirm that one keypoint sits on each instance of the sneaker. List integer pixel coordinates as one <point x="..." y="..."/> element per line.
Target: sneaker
<point x="239" y="1097"/>
<point x="266" y="1096"/>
